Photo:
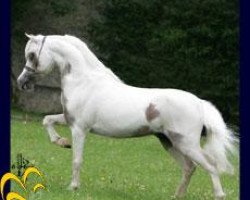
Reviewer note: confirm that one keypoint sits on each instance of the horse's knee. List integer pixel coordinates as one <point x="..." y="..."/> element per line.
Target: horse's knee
<point x="47" y="121"/>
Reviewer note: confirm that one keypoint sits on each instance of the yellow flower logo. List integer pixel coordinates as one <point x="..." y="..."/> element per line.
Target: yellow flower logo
<point x="22" y="183"/>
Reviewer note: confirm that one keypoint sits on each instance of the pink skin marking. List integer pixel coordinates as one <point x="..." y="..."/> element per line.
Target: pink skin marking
<point x="151" y="112"/>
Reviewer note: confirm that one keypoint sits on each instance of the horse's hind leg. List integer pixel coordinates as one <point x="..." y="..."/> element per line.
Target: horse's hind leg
<point x="188" y="167"/>
<point x="196" y="154"/>
<point x="55" y="138"/>
<point x="199" y="157"/>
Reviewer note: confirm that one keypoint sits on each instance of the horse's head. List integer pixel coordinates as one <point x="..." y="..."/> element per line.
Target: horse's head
<point x="38" y="61"/>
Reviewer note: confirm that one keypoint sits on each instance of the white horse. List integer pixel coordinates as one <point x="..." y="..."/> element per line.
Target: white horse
<point x="95" y="99"/>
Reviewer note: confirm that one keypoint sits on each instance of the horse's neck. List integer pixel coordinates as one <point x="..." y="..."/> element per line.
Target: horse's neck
<point x="69" y="59"/>
<point x="90" y="58"/>
<point x="77" y="69"/>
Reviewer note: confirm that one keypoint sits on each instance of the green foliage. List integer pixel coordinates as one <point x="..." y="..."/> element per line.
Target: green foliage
<point x="62" y="7"/>
<point x="185" y="44"/>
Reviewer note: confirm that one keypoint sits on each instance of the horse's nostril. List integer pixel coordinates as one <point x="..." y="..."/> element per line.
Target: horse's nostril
<point x="20" y="81"/>
<point x="24" y="86"/>
<point x="19" y="84"/>
<point x="27" y="86"/>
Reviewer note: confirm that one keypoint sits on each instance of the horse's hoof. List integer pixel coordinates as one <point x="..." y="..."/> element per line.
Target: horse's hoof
<point x="220" y="197"/>
<point x="73" y="187"/>
<point x="63" y="142"/>
<point x="174" y="197"/>
<point x="179" y="194"/>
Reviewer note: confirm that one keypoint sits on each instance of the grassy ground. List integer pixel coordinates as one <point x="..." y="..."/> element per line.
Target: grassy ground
<point x="131" y="169"/>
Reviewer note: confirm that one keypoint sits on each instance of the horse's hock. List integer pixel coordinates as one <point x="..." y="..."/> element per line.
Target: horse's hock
<point x="46" y="98"/>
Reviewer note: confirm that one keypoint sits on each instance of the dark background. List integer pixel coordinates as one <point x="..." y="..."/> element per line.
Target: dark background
<point x="186" y="44"/>
<point x="4" y="90"/>
<point x="4" y="100"/>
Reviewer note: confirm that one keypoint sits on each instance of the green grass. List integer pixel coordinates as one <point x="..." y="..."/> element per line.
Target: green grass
<point x="131" y="169"/>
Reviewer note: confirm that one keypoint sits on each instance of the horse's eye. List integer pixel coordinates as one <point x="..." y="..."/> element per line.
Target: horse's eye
<point x="32" y="56"/>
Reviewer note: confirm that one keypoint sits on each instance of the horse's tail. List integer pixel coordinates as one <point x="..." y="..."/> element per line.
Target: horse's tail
<point x="220" y="139"/>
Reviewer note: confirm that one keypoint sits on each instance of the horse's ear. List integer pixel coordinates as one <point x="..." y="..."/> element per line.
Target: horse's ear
<point x="30" y="36"/>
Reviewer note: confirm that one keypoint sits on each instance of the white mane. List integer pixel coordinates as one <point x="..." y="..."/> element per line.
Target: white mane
<point x="89" y="56"/>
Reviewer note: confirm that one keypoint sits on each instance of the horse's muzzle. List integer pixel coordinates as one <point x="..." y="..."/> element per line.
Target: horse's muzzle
<point x="25" y="82"/>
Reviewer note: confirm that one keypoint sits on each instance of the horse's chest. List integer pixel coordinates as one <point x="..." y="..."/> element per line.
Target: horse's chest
<point x="67" y="115"/>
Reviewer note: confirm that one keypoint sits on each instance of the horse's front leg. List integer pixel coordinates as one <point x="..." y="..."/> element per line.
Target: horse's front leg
<point x="49" y="122"/>
<point x="78" y="137"/>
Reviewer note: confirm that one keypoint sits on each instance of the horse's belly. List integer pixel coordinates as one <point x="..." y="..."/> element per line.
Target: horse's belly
<point x="122" y="130"/>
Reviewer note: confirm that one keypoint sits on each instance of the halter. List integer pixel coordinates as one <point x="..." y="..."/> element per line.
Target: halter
<point x="29" y="69"/>
<point x="43" y="41"/>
